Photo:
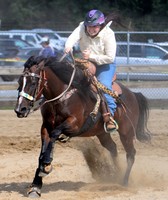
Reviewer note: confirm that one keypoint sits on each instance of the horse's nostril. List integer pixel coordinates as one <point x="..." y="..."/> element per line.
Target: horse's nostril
<point x="23" y="110"/>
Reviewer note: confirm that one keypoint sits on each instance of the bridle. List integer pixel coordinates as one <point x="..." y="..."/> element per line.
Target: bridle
<point x="39" y="80"/>
<point x="24" y="94"/>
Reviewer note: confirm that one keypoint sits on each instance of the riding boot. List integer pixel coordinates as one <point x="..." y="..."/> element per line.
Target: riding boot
<point x="111" y="125"/>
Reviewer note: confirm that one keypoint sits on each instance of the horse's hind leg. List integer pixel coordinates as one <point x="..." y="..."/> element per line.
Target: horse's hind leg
<point x="127" y="141"/>
<point x="108" y="143"/>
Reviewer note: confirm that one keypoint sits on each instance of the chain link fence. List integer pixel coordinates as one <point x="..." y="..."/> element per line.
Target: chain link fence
<point x="141" y="64"/>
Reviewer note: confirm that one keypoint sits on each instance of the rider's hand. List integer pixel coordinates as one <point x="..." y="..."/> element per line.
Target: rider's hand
<point x="86" y="54"/>
<point x="67" y="50"/>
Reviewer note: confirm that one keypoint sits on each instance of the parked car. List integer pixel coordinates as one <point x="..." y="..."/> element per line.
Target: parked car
<point x="56" y="40"/>
<point x="25" y="35"/>
<point x="10" y="50"/>
<point x="135" y="53"/>
<point x="8" y="43"/>
<point x="8" y="53"/>
<point x="163" y="45"/>
<point x="19" y="58"/>
<point x="24" y="54"/>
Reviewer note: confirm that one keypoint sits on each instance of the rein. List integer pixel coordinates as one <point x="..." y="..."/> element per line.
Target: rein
<point x="70" y="82"/>
<point x="69" y="85"/>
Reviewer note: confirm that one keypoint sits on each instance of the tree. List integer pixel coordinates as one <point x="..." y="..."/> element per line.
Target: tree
<point x="65" y="14"/>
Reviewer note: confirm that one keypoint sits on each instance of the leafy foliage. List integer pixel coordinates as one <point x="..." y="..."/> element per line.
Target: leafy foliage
<point x="66" y="14"/>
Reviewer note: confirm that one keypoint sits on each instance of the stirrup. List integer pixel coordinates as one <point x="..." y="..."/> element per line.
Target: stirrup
<point x="111" y="130"/>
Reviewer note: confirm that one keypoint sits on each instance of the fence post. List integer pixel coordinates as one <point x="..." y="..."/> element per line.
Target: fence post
<point x="128" y="78"/>
<point x="128" y="46"/>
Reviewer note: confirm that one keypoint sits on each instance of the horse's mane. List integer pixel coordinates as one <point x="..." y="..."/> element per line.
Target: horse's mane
<point x="33" y="60"/>
<point x="64" y="70"/>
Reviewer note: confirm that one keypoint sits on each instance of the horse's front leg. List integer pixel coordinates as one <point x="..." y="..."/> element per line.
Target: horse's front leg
<point x="35" y="187"/>
<point x="69" y="125"/>
<point x="46" y="155"/>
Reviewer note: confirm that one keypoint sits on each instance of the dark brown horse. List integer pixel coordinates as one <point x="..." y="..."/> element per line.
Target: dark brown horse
<point x="68" y="101"/>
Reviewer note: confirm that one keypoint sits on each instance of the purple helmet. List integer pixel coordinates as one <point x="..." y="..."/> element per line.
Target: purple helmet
<point x="94" y="18"/>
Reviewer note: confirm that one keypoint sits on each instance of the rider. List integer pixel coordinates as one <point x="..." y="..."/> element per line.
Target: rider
<point x="98" y="44"/>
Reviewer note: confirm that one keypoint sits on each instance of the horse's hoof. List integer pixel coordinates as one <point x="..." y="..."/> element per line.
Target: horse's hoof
<point x="34" y="192"/>
<point x="33" y="195"/>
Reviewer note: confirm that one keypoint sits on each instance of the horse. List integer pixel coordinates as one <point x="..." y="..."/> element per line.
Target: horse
<point x="66" y="101"/>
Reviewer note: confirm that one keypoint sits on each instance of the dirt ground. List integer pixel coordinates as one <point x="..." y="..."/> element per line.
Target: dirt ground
<point x="71" y="178"/>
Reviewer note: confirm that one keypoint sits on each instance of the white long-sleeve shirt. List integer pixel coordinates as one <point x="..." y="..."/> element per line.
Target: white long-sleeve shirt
<point x="102" y="47"/>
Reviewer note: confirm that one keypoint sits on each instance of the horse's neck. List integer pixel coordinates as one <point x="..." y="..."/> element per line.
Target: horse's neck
<point x="54" y="86"/>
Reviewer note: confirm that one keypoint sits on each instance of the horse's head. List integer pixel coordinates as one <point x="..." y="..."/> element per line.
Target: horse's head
<point x="30" y="86"/>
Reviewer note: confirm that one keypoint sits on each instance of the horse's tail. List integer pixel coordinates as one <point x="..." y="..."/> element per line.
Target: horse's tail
<point x="142" y="132"/>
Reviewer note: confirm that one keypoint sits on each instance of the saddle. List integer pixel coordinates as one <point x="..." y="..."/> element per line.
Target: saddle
<point x="90" y="68"/>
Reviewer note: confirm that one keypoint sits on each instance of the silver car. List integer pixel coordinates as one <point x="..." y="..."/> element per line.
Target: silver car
<point x="136" y="53"/>
<point x="56" y="40"/>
